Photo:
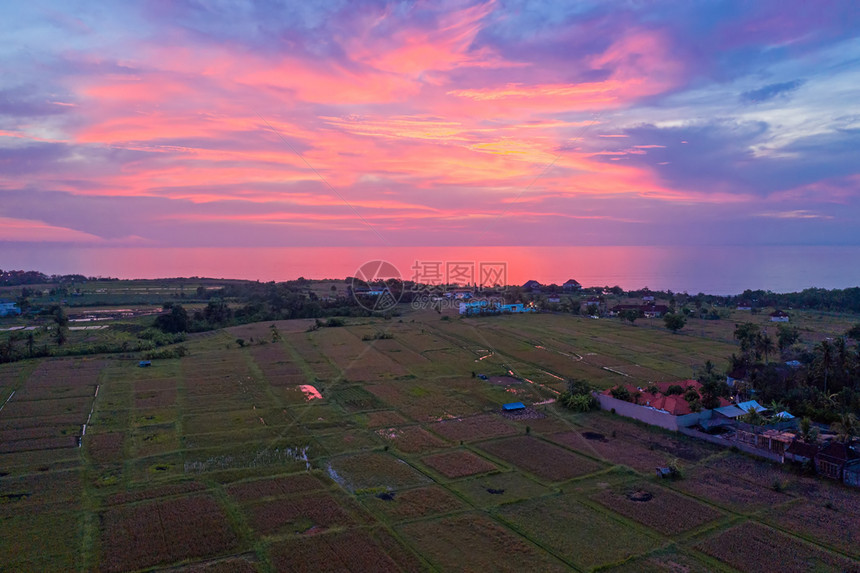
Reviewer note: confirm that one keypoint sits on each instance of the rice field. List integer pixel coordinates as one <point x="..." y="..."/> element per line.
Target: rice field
<point x="330" y="450"/>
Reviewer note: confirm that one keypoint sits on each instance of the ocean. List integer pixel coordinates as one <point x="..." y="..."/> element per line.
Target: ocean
<point x="712" y="270"/>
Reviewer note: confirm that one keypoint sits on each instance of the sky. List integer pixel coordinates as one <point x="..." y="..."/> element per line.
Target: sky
<point x="244" y="123"/>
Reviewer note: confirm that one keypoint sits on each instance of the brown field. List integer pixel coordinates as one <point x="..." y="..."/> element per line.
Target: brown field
<point x="155" y="492"/>
<point x="414" y="503"/>
<point x="728" y="490"/>
<point x="473" y="428"/>
<point x="311" y="512"/>
<point x="457" y="464"/>
<point x="667" y="512"/>
<point x="352" y="550"/>
<point x="105" y="448"/>
<point x="162" y="532"/>
<point x="385" y="418"/>
<point x="410" y="439"/>
<point x="758" y="549"/>
<point x="835" y="525"/>
<point x="271" y="487"/>
<point x="39" y="444"/>
<point x="542" y="459"/>
<point x="476" y="543"/>
<point x="228" y="565"/>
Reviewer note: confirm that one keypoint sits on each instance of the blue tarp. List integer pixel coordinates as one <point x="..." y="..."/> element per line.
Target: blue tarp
<point x="514" y="406"/>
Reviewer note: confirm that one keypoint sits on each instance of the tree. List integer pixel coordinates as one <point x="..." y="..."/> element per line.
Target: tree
<point x="808" y="432"/>
<point x="854" y="332"/>
<point x="824" y="360"/>
<point x="620" y="393"/>
<point x="62" y="322"/>
<point x="786" y="336"/>
<point x="31" y="342"/>
<point x="629" y="315"/>
<point x="714" y="386"/>
<point x="846" y="428"/>
<point x="174" y="321"/>
<point x="764" y="345"/>
<point x="746" y="335"/>
<point x="674" y="322"/>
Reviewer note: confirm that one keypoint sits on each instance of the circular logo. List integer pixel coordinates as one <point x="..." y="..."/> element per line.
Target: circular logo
<point x="377" y="286"/>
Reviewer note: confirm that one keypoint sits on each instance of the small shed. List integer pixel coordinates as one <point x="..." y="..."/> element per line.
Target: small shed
<point x="513" y="406"/>
<point x="144" y="363"/>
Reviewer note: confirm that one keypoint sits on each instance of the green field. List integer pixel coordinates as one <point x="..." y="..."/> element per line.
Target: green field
<point x="224" y="460"/>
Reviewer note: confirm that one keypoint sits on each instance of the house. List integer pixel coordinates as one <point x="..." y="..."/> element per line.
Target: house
<point x="647" y="297"/>
<point x="773" y="441"/>
<point x="851" y="473"/>
<point x="744" y="305"/>
<point x="778" y="316"/>
<point x="553" y="298"/>
<point x="654" y="310"/>
<point x="669" y="411"/>
<point x="735" y="411"/>
<point x="9" y="308"/>
<point x="478" y="306"/>
<point x="801" y="452"/>
<point x="532" y="286"/>
<point x="571" y="286"/>
<point x="830" y="461"/>
<point x="646" y="310"/>
<point x="516" y="308"/>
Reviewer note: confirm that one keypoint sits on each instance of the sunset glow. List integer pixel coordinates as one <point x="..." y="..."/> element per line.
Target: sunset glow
<point x="176" y="124"/>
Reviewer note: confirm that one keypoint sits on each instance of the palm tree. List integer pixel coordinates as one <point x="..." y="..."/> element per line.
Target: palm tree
<point x="765" y="345"/>
<point x="846" y="427"/>
<point x="825" y="357"/>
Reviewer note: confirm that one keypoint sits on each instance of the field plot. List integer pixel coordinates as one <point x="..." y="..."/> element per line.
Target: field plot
<point x="355" y="398"/>
<point x="162" y="532"/>
<point x="105" y="448"/>
<point x="757" y="549"/>
<point x="476" y="543"/>
<point x="354" y="550"/>
<point x="497" y="489"/>
<point x="665" y="561"/>
<point x="833" y="527"/>
<point x="585" y="537"/>
<point x="340" y="442"/>
<point x="459" y="463"/>
<point x="318" y="363"/>
<point x="40" y="542"/>
<point x="277" y="366"/>
<point x="274" y="487"/>
<point x="427" y="401"/>
<point x="473" y="428"/>
<point x="310" y="512"/>
<point x="729" y="491"/>
<point x="413" y="503"/>
<point x="385" y="418"/>
<point x="148" y="493"/>
<point x="357" y="359"/>
<point x="374" y="470"/>
<point x="228" y="565"/>
<point x="658" y="508"/>
<point x="28" y="492"/>
<point x="411" y="439"/>
<point x="545" y="460"/>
